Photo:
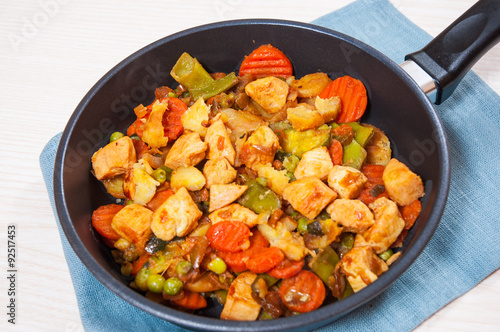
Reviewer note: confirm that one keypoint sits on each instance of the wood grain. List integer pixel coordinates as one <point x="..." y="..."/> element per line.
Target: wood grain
<point x="52" y="52"/>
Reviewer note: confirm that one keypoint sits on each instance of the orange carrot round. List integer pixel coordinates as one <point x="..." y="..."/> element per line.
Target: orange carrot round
<point x="352" y="93"/>
<point x="191" y="300"/>
<point x="303" y="292"/>
<point x="286" y="269"/>
<point x="229" y="236"/>
<point x="265" y="259"/>
<point x="102" y="218"/>
<point x="410" y="213"/>
<point x="265" y="61"/>
<point x="336" y="152"/>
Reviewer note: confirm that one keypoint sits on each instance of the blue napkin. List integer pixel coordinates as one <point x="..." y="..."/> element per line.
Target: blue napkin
<point x="465" y="247"/>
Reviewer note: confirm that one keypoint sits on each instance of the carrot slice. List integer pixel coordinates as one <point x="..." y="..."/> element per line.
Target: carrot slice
<point x="265" y="259"/>
<point x="102" y="218"/>
<point x="237" y="261"/>
<point x="229" y="236"/>
<point x="139" y="263"/>
<point x="191" y="300"/>
<point x="336" y="152"/>
<point x="373" y="174"/>
<point x="303" y="292"/>
<point x="410" y="213"/>
<point x="265" y="61"/>
<point x="159" y="198"/>
<point x="352" y="93"/>
<point x="286" y="269"/>
<point x="172" y="124"/>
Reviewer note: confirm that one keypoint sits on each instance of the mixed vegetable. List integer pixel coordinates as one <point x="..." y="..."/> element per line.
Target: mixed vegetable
<point x="258" y="190"/>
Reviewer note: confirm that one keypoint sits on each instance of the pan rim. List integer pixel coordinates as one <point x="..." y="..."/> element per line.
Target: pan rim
<point x="316" y="318"/>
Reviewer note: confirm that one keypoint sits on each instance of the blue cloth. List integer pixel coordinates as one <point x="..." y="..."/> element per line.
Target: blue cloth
<point x="464" y="249"/>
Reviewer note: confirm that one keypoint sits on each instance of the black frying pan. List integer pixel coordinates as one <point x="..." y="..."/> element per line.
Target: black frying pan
<point x="397" y="105"/>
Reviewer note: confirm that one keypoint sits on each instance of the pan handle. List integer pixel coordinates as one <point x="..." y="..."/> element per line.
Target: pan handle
<point x="449" y="56"/>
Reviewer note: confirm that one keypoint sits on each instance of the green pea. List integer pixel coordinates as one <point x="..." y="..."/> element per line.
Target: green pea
<point x="141" y="279"/>
<point x="172" y="94"/>
<point x="159" y="175"/>
<point x="129" y="201"/>
<point x="136" y="137"/>
<point x="168" y="172"/>
<point x="115" y="136"/>
<point x="155" y="283"/>
<point x="183" y="268"/>
<point x="386" y="255"/>
<point x="217" y="265"/>
<point x="172" y="286"/>
<point x="302" y="225"/>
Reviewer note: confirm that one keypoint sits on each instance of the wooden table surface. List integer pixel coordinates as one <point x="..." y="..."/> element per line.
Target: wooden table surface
<point x="53" y="51"/>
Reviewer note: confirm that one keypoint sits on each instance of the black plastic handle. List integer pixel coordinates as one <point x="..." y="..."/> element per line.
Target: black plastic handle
<point x="449" y="56"/>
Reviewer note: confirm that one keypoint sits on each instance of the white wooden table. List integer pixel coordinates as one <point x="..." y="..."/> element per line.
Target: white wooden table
<point x="53" y="51"/>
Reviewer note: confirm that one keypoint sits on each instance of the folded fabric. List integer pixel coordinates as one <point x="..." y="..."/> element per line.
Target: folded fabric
<point x="464" y="249"/>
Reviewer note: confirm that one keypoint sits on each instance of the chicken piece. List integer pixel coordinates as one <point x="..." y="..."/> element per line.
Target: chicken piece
<point x="114" y="159"/>
<point x="276" y="180"/>
<point x="235" y="212"/>
<point x="316" y="162"/>
<point x="378" y="149"/>
<point x="309" y="196"/>
<point x="218" y="171"/>
<point x="259" y="148"/>
<point x="269" y="92"/>
<point x="154" y="133"/>
<point x="346" y="181"/>
<point x="241" y="122"/>
<point x="311" y="85"/>
<point x="177" y="216"/>
<point x="362" y="267"/>
<point x="387" y="227"/>
<point x="196" y="117"/>
<point x="133" y="224"/>
<point x="353" y="215"/>
<point x="303" y="117"/>
<point x="328" y="108"/>
<point x="189" y="177"/>
<point x="240" y="304"/>
<point x="219" y="142"/>
<point x="139" y="186"/>
<point x="224" y="194"/>
<point x="282" y="237"/>
<point x="188" y="150"/>
<point x="402" y="185"/>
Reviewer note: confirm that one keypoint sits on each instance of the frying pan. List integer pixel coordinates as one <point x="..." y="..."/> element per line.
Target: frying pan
<point x="398" y="104"/>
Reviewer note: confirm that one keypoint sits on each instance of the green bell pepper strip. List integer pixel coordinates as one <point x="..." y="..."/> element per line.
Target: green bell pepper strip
<point x="324" y="263"/>
<point x="354" y="155"/>
<point x="298" y="142"/>
<point x="191" y="74"/>
<point x="362" y="134"/>
<point x="259" y="198"/>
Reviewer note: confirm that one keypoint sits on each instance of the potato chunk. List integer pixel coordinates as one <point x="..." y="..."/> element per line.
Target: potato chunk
<point x="177" y="216"/>
<point x="328" y="108"/>
<point x="188" y="150"/>
<point x="189" y="177"/>
<point x="224" y="194"/>
<point x="153" y="128"/>
<point x="402" y="185"/>
<point x="346" y="181"/>
<point x="241" y="122"/>
<point x="133" y="224"/>
<point x="114" y="159"/>
<point x="196" y="117"/>
<point x="388" y="225"/>
<point x="282" y="237"/>
<point x="362" y="267"/>
<point x="270" y="93"/>
<point x="240" y="304"/>
<point x="303" y="118"/>
<point x="311" y="85"/>
<point x="276" y="180"/>
<point x="260" y="147"/>
<point x="353" y="215"/>
<point x="378" y="149"/>
<point x="316" y="162"/>
<point x="139" y="186"/>
<point x="218" y="171"/>
<point x="219" y="142"/>
<point x="309" y="196"/>
<point x="235" y="212"/>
